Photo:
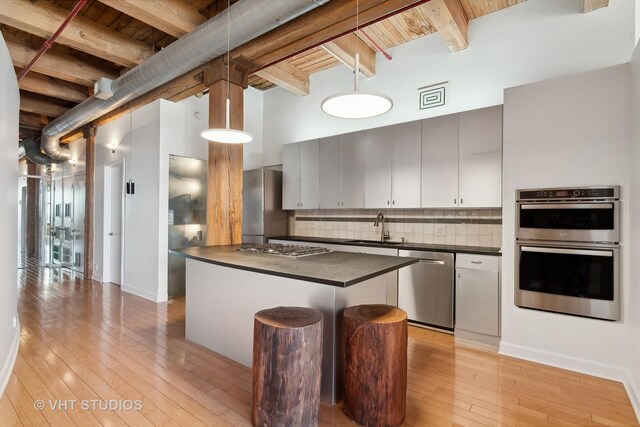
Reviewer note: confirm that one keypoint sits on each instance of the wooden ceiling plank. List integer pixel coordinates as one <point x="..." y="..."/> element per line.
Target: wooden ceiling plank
<point x="287" y="77"/>
<point x="591" y="5"/>
<point x="54" y="64"/>
<point x="30" y="120"/>
<point x="173" y="17"/>
<point x="43" y="18"/>
<point x="449" y="18"/>
<point x="469" y="10"/>
<point x="43" y="85"/>
<point x="39" y="106"/>
<point x="345" y="49"/>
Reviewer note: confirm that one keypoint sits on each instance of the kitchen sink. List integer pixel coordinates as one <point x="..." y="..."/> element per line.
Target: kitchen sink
<point x="378" y="242"/>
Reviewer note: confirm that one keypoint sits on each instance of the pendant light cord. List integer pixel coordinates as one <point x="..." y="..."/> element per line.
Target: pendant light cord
<point x="228" y="103"/>
<point x="356" y="68"/>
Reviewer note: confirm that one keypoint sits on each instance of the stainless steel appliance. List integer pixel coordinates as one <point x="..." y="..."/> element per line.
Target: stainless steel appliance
<point x="567" y="251"/>
<point x="293" y="251"/>
<point x="262" y="214"/>
<point x="426" y="289"/>
<point x="187" y="215"/>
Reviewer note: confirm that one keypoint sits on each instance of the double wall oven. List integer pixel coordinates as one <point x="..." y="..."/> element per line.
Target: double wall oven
<point x="567" y="251"/>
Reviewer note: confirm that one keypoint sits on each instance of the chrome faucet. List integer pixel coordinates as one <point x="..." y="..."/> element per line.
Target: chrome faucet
<point x="384" y="235"/>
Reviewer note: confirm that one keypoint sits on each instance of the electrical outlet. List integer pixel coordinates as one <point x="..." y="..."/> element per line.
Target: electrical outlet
<point x="440" y="230"/>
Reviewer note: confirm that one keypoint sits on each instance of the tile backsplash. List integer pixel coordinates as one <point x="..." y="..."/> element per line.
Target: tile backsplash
<point x="468" y="227"/>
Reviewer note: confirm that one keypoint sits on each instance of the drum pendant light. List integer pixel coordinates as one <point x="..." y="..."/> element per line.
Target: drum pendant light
<point x="356" y="104"/>
<point x="227" y="135"/>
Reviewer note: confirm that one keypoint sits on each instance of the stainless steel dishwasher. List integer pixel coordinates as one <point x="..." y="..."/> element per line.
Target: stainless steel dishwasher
<point x="426" y="289"/>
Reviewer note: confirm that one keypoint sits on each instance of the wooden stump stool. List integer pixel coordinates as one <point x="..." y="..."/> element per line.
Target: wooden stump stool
<point x="375" y="365"/>
<point x="287" y="363"/>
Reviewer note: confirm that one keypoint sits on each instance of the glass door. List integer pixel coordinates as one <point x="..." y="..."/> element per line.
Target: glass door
<point x="57" y="215"/>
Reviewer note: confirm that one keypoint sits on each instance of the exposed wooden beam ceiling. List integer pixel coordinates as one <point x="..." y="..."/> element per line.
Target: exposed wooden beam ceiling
<point x="44" y="85"/>
<point x="40" y="106"/>
<point x="591" y="5"/>
<point x="31" y="121"/>
<point x="450" y="20"/>
<point x="345" y="49"/>
<point x="288" y="77"/>
<point x="54" y="64"/>
<point x="173" y="17"/>
<point x="43" y="18"/>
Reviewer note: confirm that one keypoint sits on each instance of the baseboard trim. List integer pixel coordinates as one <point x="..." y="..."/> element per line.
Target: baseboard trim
<point x="576" y="364"/>
<point x="7" y="368"/>
<point x="140" y="293"/>
<point x="633" y="390"/>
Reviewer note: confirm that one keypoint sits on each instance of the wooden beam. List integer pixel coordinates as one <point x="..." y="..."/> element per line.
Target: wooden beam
<point x="329" y="21"/>
<point x="43" y="18"/>
<point x="30" y="121"/>
<point x="591" y="5"/>
<point x="89" y="133"/>
<point x="288" y="77"/>
<point x="39" y="106"/>
<point x="345" y="49"/>
<point x="224" y="190"/>
<point x="174" y="17"/>
<point x="450" y="19"/>
<point x="44" y="85"/>
<point x="54" y="64"/>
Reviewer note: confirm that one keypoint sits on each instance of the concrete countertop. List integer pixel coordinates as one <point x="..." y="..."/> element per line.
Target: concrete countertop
<point x="404" y="246"/>
<point x="340" y="269"/>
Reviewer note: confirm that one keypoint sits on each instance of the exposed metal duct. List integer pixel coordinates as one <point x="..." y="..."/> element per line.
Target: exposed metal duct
<point x="30" y="148"/>
<point x="249" y="19"/>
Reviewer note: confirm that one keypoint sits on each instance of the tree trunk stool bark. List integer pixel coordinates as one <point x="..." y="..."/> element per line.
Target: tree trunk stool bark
<point x="375" y="365"/>
<point x="287" y="365"/>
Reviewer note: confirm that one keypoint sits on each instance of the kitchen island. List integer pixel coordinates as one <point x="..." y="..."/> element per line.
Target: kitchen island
<point x="226" y="287"/>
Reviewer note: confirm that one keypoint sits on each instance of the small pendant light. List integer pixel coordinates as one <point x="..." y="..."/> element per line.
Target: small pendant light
<point x="356" y="104"/>
<point x="227" y="135"/>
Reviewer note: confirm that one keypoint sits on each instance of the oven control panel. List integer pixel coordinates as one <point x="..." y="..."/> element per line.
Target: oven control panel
<point x="570" y="193"/>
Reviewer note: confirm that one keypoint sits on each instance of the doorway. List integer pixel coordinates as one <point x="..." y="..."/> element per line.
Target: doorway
<point x="67" y="212"/>
<point x="33" y="224"/>
<point x="113" y="222"/>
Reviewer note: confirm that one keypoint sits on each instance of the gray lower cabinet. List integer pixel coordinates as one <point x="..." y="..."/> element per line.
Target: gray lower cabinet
<point x="478" y="297"/>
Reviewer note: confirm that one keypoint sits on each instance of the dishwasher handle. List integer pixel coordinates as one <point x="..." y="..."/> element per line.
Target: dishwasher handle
<point x="432" y="261"/>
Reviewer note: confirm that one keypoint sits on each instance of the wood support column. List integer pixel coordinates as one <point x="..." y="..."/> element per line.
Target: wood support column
<point x="224" y="191"/>
<point x="89" y="133"/>
<point x="33" y="211"/>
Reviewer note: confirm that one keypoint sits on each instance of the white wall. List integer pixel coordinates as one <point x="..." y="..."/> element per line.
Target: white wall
<point x="9" y="109"/>
<point x="571" y="131"/>
<point x="159" y="129"/>
<point x="532" y="41"/>
<point x="634" y="287"/>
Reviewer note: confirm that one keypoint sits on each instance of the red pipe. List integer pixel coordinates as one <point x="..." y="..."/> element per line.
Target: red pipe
<point x="381" y="50"/>
<point x="49" y="42"/>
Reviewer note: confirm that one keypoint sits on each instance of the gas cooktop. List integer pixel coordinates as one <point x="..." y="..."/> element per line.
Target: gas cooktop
<point x="283" y="250"/>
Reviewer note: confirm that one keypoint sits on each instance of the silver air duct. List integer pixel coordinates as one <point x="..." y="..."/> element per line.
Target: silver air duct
<point x="249" y="19"/>
<point x="30" y="148"/>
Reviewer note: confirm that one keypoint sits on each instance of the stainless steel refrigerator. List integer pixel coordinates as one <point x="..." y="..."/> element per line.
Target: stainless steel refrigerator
<point x="262" y="214"/>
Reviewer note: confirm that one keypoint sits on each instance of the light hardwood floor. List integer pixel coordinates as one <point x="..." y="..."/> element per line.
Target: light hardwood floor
<point x="85" y="341"/>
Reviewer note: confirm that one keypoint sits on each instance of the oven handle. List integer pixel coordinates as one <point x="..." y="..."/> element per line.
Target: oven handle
<point x="568" y="206"/>
<point x="588" y="252"/>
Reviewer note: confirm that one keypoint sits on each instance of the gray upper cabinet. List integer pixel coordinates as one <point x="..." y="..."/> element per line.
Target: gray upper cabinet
<point x="440" y="162"/>
<point x="480" y="160"/>
<point x="330" y="160"/>
<point x="392" y="170"/>
<point x="377" y="183"/>
<point x="301" y="179"/>
<point x="342" y="161"/>
<point x="405" y="169"/>
<point x="352" y="170"/>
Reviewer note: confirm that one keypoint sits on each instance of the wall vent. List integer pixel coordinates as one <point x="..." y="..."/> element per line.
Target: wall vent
<point x="432" y="96"/>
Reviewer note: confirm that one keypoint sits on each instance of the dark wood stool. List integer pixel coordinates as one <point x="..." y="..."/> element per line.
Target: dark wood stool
<point x="287" y="363"/>
<point x="375" y="364"/>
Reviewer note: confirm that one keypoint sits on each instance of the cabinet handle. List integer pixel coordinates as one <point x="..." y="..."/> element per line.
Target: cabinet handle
<point x="461" y="202"/>
<point x="454" y="201"/>
<point x="342" y="204"/>
<point x="387" y="203"/>
<point x="393" y="203"/>
<point x="459" y="276"/>
<point x="476" y="262"/>
<point x="338" y="203"/>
